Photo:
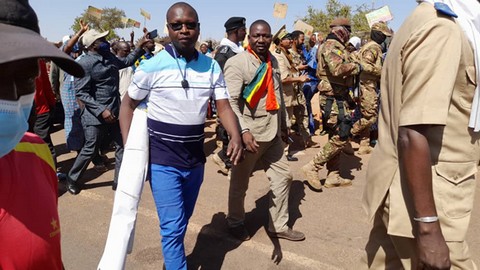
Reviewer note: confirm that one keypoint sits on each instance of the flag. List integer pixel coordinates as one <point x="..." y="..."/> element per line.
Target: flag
<point x="380" y="15"/>
<point x="95" y="12"/>
<point x="124" y="20"/>
<point x="304" y="27"/>
<point x="145" y="14"/>
<point x="132" y="22"/>
<point x="280" y="10"/>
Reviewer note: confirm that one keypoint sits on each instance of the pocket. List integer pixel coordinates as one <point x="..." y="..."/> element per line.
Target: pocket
<point x="471" y="75"/>
<point x="454" y="188"/>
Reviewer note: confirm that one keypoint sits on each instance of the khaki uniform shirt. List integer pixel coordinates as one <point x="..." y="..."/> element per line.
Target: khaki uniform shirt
<point x="285" y="72"/>
<point x="428" y="78"/>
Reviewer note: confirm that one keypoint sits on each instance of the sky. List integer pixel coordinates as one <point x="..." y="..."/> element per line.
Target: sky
<point x="57" y="16"/>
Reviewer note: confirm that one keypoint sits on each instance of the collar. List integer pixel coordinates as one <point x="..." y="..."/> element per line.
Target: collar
<point x="234" y="46"/>
<point x="174" y="53"/>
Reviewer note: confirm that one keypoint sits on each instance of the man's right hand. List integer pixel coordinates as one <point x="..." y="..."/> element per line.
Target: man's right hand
<point x="432" y="250"/>
<point x="108" y="116"/>
<point x="144" y="39"/>
<point x="249" y="142"/>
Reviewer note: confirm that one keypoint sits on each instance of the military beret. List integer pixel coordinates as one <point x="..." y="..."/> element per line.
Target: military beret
<point x="340" y="22"/>
<point x="382" y="27"/>
<point x="234" y="23"/>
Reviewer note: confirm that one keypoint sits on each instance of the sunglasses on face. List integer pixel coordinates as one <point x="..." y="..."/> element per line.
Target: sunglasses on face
<point x="179" y="26"/>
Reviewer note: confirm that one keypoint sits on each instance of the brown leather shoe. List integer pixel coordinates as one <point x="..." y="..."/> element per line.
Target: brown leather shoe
<point x="289" y="234"/>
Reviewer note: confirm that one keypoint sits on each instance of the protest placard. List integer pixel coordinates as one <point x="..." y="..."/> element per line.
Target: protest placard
<point x="280" y="10"/>
<point x="379" y="15"/>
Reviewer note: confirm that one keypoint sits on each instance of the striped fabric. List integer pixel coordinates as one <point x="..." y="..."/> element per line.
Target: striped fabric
<point x="176" y="116"/>
<point x="262" y="83"/>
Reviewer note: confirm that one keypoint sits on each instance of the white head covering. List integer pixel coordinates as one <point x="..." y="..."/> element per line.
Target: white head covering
<point x="356" y="42"/>
<point x="468" y="12"/>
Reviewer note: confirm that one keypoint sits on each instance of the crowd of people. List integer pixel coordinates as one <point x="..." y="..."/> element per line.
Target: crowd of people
<point x="396" y="94"/>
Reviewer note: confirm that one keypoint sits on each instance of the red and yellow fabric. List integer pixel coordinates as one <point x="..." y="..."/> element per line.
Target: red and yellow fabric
<point x="29" y="224"/>
<point x="262" y="83"/>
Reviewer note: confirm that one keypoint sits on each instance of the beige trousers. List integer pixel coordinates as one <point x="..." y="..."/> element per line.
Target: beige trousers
<point x="271" y="158"/>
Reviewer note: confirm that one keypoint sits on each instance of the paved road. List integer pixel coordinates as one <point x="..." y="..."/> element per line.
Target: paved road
<point x="333" y="221"/>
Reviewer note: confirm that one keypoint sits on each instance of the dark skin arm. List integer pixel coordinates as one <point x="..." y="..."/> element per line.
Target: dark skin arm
<point x="126" y="114"/>
<point x="71" y="42"/>
<point x="414" y="157"/>
<point x="230" y="123"/>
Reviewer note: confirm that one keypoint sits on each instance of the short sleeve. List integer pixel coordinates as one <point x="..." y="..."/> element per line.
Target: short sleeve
<point x="140" y="86"/>
<point x="219" y="85"/>
<point x="283" y="66"/>
<point x="430" y="62"/>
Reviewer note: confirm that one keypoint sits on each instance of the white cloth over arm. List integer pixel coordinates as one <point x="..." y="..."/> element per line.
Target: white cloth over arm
<point x="130" y="185"/>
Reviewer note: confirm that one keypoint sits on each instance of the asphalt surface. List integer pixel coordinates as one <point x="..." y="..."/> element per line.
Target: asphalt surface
<point x="333" y="221"/>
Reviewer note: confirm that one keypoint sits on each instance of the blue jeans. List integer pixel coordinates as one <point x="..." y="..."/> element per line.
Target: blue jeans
<point x="309" y="90"/>
<point x="175" y="191"/>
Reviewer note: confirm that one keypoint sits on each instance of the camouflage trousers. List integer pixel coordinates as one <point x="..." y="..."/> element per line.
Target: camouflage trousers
<point x="297" y="113"/>
<point x="368" y="107"/>
<point x="330" y="154"/>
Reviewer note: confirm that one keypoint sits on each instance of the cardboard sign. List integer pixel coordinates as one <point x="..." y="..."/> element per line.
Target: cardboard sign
<point x="304" y="27"/>
<point x="380" y="15"/>
<point x="280" y="10"/>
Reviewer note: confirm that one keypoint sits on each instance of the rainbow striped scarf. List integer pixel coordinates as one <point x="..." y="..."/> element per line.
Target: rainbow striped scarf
<point x="261" y="83"/>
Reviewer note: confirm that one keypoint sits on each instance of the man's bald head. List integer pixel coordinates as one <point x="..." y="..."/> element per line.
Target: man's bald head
<point x="183" y="5"/>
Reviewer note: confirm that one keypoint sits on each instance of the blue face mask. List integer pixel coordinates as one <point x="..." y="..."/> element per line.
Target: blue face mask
<point x="13" y="121"/>
<point x="104" y="47"/>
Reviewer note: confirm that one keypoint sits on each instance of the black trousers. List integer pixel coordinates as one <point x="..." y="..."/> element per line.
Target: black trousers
<point x="93" y="140"/>
<point x="43" y="123"/>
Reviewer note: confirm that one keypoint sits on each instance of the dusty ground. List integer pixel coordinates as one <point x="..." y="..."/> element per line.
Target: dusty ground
<point x="333" y="221"/>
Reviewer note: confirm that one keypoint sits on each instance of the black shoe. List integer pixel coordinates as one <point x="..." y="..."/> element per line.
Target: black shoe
<point x="289" y="234"/>
<point x="291" y="158"/>
<point x="72" y="187"/>
<point x="239" y="232"/>
<point x="114" y="185"/>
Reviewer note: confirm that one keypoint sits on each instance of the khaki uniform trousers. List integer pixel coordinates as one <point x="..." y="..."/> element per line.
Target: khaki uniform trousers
<point x="385" y="251"/>
<point x="271" y="158"/>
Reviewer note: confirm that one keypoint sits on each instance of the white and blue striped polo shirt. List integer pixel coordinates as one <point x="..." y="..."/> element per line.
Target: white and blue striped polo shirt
<point x="176" y="116"/>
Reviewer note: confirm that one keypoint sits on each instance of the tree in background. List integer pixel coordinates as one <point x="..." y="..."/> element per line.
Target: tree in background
<point x="320" y="19"/>
<point x="111" y="19"/>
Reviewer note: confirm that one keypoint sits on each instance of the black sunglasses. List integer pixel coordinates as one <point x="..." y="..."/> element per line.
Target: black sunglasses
<point x="179" y="26"/>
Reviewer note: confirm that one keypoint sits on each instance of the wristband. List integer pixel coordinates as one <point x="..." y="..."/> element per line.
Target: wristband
<point x="245" y="130"/>
<point x="426" y="219"/>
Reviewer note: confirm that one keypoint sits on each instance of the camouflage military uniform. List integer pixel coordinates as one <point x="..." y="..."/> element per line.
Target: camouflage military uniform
<point x="371" y="60"/>
<point x="335" y="71"/>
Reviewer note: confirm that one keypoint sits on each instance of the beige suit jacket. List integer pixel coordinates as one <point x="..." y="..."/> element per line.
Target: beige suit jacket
<point x="264" y="125"/>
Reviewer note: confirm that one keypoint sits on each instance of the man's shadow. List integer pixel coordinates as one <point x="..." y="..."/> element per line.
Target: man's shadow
<point x="214" y="241"/>
<point x="348" y="164"/>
